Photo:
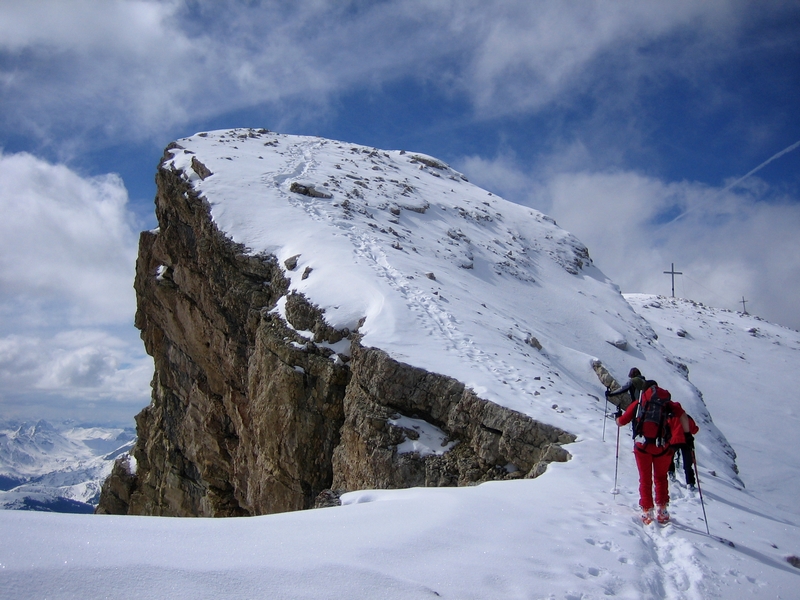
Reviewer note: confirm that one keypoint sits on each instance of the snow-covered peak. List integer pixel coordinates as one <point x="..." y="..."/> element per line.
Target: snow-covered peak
<point x="440" y="273"/>
<point x="57" y="466"/>
<point x="30" y="449"/>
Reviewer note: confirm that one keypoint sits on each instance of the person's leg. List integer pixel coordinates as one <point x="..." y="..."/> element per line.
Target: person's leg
<point x="660" y="469"/>
<point x="644" y="462"/>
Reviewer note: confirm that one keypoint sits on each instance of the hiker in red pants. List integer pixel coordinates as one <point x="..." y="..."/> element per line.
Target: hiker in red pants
<point x="651" y="414"/>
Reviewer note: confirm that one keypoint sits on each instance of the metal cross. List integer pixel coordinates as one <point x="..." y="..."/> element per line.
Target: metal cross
<point x="673" y="272"/>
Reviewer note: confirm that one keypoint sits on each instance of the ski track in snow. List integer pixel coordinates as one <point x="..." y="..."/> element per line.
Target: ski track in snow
<point x="678" y="573"/>
<point x="441" y="325"/>
<point x="370" y="248"/>
<point x="672" y="566"/>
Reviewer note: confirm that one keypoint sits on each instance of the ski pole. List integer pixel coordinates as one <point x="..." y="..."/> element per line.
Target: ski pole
<point x="605" y="415"/>
<point x="616" y="464"/>
<point x="699" y="489"/>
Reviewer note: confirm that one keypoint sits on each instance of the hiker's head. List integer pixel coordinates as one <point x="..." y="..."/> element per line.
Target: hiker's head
<point x="634" y="372"/>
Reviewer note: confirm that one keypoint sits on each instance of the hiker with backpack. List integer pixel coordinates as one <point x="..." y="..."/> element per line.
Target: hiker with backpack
<point x="634" y="387"/>
<point x="651" y="414"/>
<point x="683" y="443"/>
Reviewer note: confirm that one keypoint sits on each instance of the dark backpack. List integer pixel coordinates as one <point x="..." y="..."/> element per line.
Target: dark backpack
<point x="651" y="423"/>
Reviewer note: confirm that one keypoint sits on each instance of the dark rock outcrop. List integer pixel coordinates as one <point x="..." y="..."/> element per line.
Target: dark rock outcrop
<point x="493" y="442"/>
<point x="247" y="417"/>
<point x="115" y="496"/>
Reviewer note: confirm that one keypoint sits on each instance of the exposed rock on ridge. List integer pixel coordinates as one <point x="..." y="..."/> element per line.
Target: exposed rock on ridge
<point x="248" y="417"/>
<point x="493" y="442"/>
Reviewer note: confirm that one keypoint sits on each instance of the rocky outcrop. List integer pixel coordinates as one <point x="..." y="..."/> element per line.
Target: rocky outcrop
<point x="492" y="442"/>
<point x="115" y="496"/>
<point x="248" y="417"/>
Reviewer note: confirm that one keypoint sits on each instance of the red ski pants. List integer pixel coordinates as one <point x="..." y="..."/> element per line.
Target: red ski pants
<point x="653" y="468"/>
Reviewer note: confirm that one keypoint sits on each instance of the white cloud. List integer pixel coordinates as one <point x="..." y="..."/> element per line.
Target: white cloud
<point x="84" y="364"/>
<point x="67" y="245"/>
<point x="90" y="375"/>
<point x="530" y="54"/>
<point x="501" y="174"/>
<point x="730" y="244"/>
<point x="107" y="67"/>
<point x="82" y="25"/>
<point x="67" y="261"/>
<point x="135" y="68"/>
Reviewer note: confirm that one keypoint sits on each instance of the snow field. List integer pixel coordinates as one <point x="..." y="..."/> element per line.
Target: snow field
<point x="563" y="535"/>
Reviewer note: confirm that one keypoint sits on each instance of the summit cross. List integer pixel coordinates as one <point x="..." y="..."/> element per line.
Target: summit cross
<point x="673" y="272"/>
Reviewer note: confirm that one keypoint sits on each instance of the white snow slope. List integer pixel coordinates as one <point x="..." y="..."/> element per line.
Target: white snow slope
<point x="503" y="274"/>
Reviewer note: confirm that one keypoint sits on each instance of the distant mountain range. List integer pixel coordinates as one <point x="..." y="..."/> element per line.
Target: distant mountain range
<point x="57" y="467"/>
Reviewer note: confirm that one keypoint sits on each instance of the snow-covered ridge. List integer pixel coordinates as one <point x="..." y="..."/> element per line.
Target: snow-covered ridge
<point x="741" y="360"/>
<point x="445" y="275"/>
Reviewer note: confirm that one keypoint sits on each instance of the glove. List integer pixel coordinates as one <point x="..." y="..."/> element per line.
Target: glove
<point x="689" y="440"/>
<point x="618" y="414"/>
<point x="608" y="392"/>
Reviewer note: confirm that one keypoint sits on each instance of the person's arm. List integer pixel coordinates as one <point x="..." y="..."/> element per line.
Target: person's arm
<point x="685" y="423"/>
<point x="619" y="391"/>
<point x="687" y="430"/>
<point x="627" y="416"/>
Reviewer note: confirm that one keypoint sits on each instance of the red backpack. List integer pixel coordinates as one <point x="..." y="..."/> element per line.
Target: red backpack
<point x="651" y="423"/>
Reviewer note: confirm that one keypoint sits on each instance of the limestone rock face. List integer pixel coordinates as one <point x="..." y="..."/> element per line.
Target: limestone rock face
<point x="115" y="496"/>
<point x="248" y="417"/>
<point x="243" y="410"/>
<point x="492" y="442"/>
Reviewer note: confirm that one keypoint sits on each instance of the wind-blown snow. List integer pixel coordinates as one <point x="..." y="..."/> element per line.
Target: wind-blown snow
<point x="502" y="275"/>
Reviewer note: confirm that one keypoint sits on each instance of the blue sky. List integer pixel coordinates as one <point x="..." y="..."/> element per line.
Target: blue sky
<point x="613" y="117"/>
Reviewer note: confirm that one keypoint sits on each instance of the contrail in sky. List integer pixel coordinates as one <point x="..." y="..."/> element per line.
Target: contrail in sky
<point x="740" y="180"/>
